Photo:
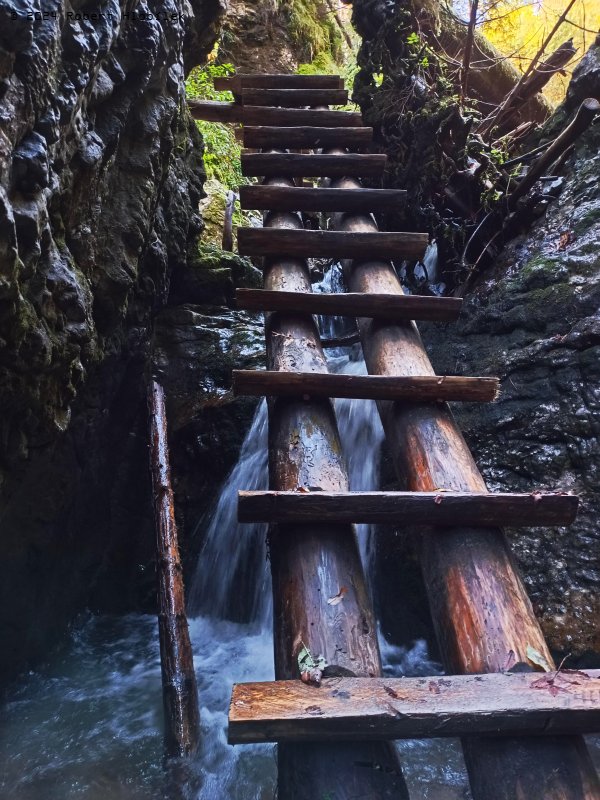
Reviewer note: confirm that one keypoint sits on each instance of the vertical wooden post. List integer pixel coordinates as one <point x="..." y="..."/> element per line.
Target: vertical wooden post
<point x="180" y="695"/>
<point x="480" y="608"/>
<point x="311" y="563"/>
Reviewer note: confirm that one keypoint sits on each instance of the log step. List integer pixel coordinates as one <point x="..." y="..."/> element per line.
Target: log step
<point x="354" y="709"/>
<point x="293" y="198"/>
<point x="292" y="117"/>
<point x="275" y="81"/>
<point x="415" y="388"/>
<point x="440" y="508"/>
<point x="331" y="244"/>
<point x="305" y="136"/>
<point x="293" y="98"/>
<point x="270" y="165"/>
<point x="390" y="307"/>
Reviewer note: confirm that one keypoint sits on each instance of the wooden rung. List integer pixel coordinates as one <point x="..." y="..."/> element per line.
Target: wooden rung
<point x="440" y="508"/>
<point x="292" y="198"/>
<point x="334" y="244"/>
<point x="416" y="388"/>
<point x="267" y="81"/>
<point x="346" y="709"/>
<point x="269" y="165"/>
<point x="301" y="137"/>
<point x="292" y="117"/>
<point x="390" y="307"/>
<point x="294" y="98"/>
<point x="215" y="111"/>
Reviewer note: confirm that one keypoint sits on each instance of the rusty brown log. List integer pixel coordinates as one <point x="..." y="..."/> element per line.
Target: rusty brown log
<point x="293" y="98"/>
<point x="269" y="165"/>
<point x="332" y="244"/>
<point x="582" y="120"/>
<point x="297" y="198"/>
<point x="412" y="388"/>
<point x="267" y="81"/>
<point x="310" y="562"/>
<point x="353" y="708"/>
<point x="180" y="695"/>
<point x="305" y="137"/>
<point x="446" y="509"/>
<point x="382" y="306"/>
<point x="479" y="606"/>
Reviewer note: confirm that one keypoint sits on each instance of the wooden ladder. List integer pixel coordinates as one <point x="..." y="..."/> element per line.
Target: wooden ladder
<point x="484" y="621"/>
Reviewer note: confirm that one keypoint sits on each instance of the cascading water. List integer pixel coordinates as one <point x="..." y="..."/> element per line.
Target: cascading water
<point x="88" y="725"/>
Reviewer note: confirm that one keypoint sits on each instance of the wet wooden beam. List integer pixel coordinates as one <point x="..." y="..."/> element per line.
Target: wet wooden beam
<point x="382" y="306"/>
<point x="315" y="165"/>
<point x="330" y="244"/>
<point x="411" y="388"/>
<point x="310" y="566"/>
<point x="343" y="709"/>
<point x="467" y="571"/>
<point x="180" y="695"/>
<point x="292" y="198"/>
<point x="305" y="136"/>
<point x="442" y="508"/>
<point x="294" y="98"/>
<point x="267" y="81"/>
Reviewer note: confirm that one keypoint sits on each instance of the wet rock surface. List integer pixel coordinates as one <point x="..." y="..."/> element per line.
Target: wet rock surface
<point x="100" y="180"/>
<point x="535" y="322"/>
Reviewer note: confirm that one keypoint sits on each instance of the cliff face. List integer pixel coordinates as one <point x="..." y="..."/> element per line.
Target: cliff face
<point x="100" y="178"/>
<point x="534" y="321"/>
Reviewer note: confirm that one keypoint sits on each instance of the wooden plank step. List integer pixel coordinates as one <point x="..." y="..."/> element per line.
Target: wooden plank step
<point x="378" y="306"/>
<point x="353" y="709"/>
<point x="334" y="244"/>
<point x="292" y="117"/>
<point x="276" y="81"/>
<point x="293" y="198"/>
<point x="215" y="111"/>
<point x="294" y="98"/>
<point x="440" y="508"/>
<point x="305" y="136"/>
<point x="415" y="388"/>
<point x="272" y="165"/>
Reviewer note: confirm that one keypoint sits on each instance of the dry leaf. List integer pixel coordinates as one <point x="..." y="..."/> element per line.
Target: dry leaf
<point x="337" y="598"/>
<point x="303" y="489"/>
<point x="537" y="658"/>
<point x="391" y="692"/>
<point x="566" y="238"/>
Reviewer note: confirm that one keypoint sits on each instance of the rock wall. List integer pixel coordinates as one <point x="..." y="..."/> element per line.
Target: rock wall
<point x="534" y="321"/>
<point x="100" y="179"/>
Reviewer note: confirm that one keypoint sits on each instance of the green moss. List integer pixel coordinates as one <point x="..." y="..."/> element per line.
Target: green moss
<point x="313" y="30"/>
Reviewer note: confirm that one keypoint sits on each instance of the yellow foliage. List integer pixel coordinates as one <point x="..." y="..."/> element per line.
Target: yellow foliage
<point x="518" y="28"/>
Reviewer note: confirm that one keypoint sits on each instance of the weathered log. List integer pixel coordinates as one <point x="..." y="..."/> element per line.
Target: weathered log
<point x="310" y="566"/>
<point x="313" y="244"/>
<point x="227" y="241"/>
<point x="382" y="306"/>
<point x="441" y="508"/>
<point x="479" y="606"/>
<point x="294" y="98"/>
<point x="285" y="198"/>
<point x="581" y="122"/>
<point x="269" y="165"/>
<point x="293" y="117"/>
<point x="412" y="388"/>
<point x="345" y="709"/>
<point x="305" y="137"/>
<point x="267" y="81"/>
<point x="180" y="695"/>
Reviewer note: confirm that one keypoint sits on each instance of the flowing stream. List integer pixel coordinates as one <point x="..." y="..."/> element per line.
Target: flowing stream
<point x="88" y="723"/>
